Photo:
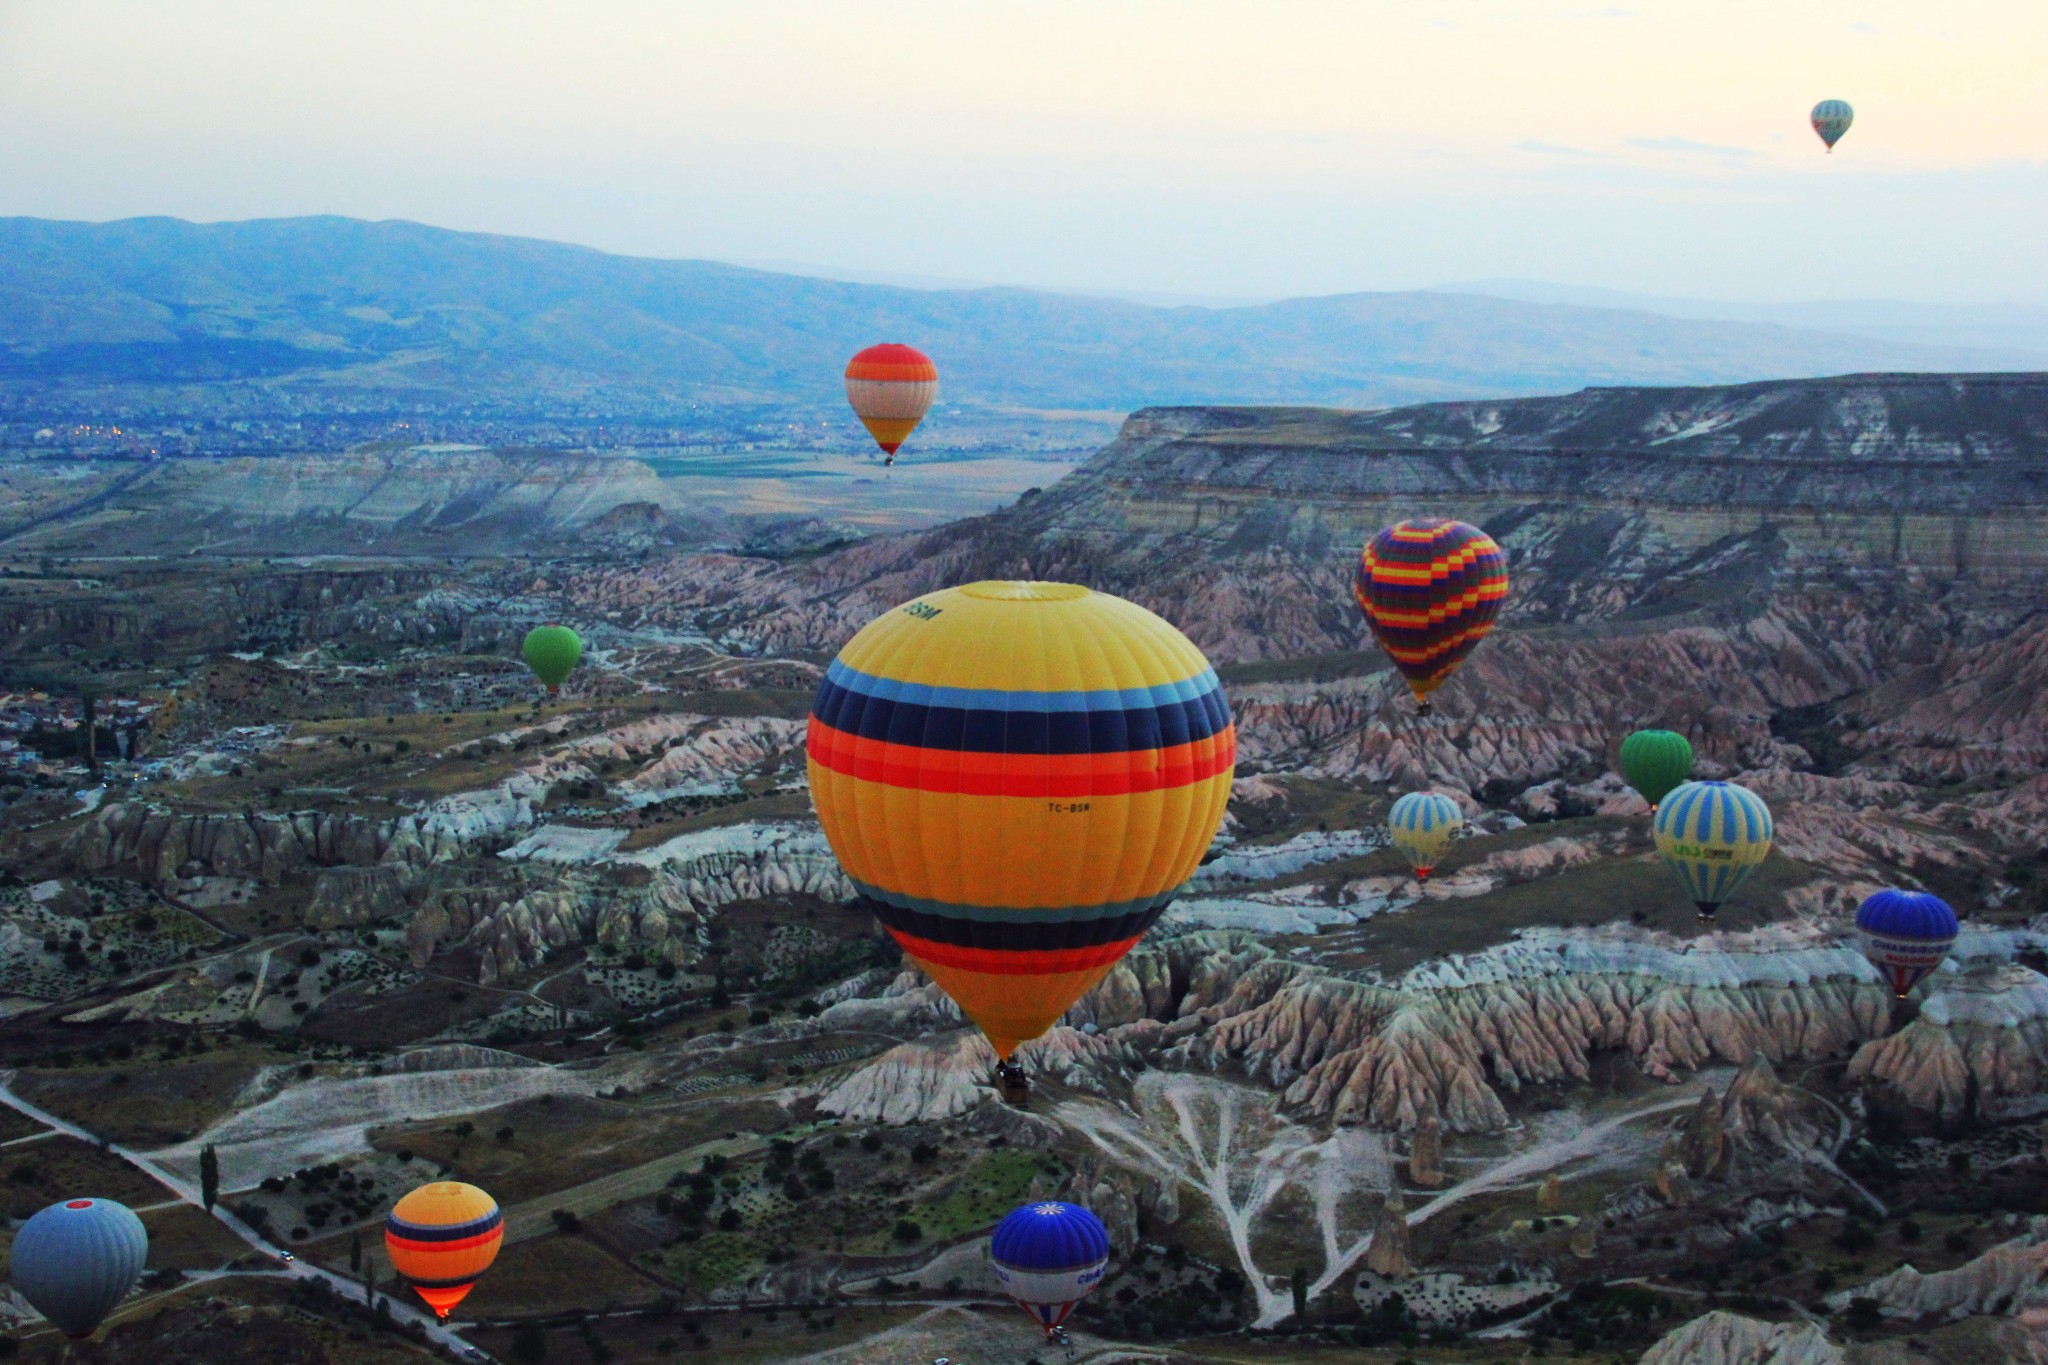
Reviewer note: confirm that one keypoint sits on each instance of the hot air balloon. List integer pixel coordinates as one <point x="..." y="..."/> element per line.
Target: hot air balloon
<point x="891" y="388"/>
<point x="1422" y="825"/>
<point x="1430" y="591"/>
<point x="1048" y="1256"/>
<point x="1906" y="935"/>
<point x="76" y="1260"/>
<point x="441" y="1238"/>
<point x="1713" y="835"/>
<point x="552" y="652"/>
<point x="1655" y="762"/>
<point x="1018" y="778"/>
<point x="1831" y="119"/>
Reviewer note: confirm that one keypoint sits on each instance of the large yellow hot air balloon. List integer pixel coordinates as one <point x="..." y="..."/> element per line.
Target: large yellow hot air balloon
<point x="891" y="387"/>
<point x="441" y="1238"/>
<point x="1018" y="778"/>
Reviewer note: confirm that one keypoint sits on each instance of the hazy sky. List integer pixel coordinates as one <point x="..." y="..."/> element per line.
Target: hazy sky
<point x="1209" y="147"/>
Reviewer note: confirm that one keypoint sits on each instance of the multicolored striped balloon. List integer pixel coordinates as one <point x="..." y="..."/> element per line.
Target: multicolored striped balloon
<point x="891" y="387"/>
<point x="441" y="1238"/>
<point x="1906" y="935"/>
<point x="1422" y="825"/>
<point x="1018" y="778"/>
<point x="1712" y="835"/>
<point x="1431" y="591"/>
<point x="1831" y="119"/>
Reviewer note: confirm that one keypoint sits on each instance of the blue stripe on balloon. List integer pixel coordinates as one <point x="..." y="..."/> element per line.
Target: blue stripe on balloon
<point x="1188" y="689"/>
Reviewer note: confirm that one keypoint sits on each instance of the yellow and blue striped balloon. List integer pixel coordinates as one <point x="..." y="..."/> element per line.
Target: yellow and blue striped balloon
<point x="1422" y="825"/>
<point x="1713" y="835"/>
<point x="1018" y="778"/>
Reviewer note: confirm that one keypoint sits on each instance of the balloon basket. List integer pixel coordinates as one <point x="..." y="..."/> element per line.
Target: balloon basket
<point x="1015" y="1087"/>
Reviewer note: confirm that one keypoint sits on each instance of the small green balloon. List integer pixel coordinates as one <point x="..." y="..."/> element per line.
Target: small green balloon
<point x="551" y="652"/>
<point x="1655" y="762"/>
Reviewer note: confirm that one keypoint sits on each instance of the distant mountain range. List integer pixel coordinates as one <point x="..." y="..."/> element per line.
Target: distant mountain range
<point x="2016" y="331"/>
<point x="320" y="316"/>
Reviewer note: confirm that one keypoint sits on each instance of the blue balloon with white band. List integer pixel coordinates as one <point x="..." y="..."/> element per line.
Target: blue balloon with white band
<point x="1048" y="1256"/>
<point x="1906" y="935"/>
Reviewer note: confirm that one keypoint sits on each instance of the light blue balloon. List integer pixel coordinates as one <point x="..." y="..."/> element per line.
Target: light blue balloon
<point x="76" y="1260"/>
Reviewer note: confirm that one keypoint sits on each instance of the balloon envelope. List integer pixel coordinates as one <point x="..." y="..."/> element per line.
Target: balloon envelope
<point x="552" y="652"/>
<point x="1018" y="778"/>
<point x="1431" y="591"/>
<point x="1831" y="119"/>
<point x="1048" y="1256"/>
<point x="441" y="1238"/>
<point x="1655" y="762"/>
<point x="1712" y="835"/>
<point x="76" y="1260"/>
<point x="1906" y="935"/>
<point x="891" y="388"/>
<point x="1422" y="825"/>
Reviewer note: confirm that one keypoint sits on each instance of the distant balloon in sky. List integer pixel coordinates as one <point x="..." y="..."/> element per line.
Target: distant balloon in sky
<point x="441" y="1237"/>
<point x="1431" y="591"/>
<point x="1655" y="762"/>
<point x="1712" y="835"/>
<point x="76" y="1260"/>
<point x="552" y="653"/>
<point x="891" y="387"/>
<point x="1831" y="119"/>
<point x="1048" y="1256"/>
<point x="1422" y="825"/>
<point x="1906" y="935"/>
<point x="1018" y="778"/>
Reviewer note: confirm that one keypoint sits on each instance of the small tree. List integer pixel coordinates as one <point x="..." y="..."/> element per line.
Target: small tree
<point x="209" y="1176"/>
<point x="1300" y="1292"/>
<point x="355" y="1252"/>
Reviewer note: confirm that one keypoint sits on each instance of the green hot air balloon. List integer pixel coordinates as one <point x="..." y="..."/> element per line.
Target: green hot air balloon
<point x="1655" y="762"/>
<point x="551" y="652"/>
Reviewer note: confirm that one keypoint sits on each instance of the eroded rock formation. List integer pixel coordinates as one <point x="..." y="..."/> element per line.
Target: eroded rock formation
<point x="1979" y="1038"/>
<point x="1720" y="1338"/>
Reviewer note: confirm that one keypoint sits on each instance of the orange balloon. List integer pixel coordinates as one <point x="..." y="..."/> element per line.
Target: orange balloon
<point x="441" y="1237"/>
<point x="891" y="388"/>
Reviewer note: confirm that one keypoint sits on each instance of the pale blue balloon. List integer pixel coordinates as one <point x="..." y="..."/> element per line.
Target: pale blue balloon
<point x="76" y="1260"/>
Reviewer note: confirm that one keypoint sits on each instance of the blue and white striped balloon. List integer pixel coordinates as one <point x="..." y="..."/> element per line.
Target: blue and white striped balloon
<point x="1712" y="835"/>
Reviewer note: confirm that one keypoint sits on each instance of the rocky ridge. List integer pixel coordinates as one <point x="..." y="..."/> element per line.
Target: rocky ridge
<point x="1449" y="1042"/>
